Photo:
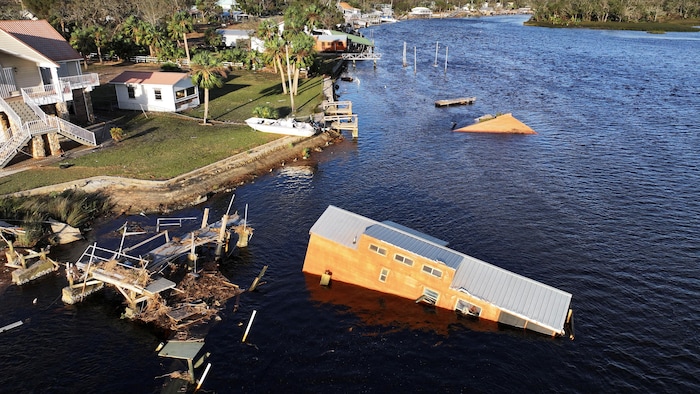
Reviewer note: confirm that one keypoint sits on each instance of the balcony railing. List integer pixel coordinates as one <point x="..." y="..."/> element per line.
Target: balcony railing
<point x="82" y="81"/>
<point x="50" y="94"/>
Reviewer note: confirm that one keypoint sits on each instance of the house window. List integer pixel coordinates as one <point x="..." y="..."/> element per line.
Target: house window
<point x="190" y="91"/>
<point x="430" y="296"/>
<point x="131" y="91"/>
<point x="180" y="94"/>
<point x="159" y="96"/>
<point x="467" y="308"/>
<point x="383" y="275"/>
<point x="432" y="271"/>
<point x="376" y="249"/>
<point x="403" y="259"/>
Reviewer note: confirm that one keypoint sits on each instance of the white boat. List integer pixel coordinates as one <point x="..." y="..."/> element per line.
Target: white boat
<point x="282" y="126"/>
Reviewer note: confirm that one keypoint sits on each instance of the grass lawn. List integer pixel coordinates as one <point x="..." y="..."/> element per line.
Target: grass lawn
<point x="162" y="146"/>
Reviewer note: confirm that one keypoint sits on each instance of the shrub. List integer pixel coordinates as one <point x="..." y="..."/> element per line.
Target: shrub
<point x="265" y="111"/>
<point x="117" y="133"/>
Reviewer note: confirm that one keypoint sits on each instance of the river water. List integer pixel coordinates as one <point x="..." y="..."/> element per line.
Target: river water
<point x="602" y="203"/>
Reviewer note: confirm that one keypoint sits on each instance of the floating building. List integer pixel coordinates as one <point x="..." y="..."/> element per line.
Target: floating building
<point x="391" y="258"/>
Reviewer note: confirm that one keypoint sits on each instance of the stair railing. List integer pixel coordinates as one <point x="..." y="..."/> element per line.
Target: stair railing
<point x="34" y="106"/>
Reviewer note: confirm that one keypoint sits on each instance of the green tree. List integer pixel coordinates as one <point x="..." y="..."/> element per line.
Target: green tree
<point x="178" y="26"/>
<point x="302" y="52"/>
<point x="207" y="73"/>
<point x="143" y="33"/>
<point x="274" y="46"/>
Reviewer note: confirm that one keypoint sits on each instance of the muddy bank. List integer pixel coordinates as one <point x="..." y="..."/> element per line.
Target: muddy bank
<point x="135" y="196"/>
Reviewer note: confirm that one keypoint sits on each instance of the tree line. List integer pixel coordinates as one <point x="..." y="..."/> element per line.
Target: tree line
<point x="631" y="11"/>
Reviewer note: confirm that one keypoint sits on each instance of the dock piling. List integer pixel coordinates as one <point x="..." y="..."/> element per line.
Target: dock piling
<point x="250" y="323"/>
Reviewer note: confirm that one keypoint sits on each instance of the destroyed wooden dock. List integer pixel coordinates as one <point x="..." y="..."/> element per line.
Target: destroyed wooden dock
<point x="455" y="101"/>
<point x="141" y="279"/>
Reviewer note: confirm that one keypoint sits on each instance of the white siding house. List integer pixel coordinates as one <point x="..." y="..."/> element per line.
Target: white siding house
<point x="155" y="91"/>
<point x="229" y="37"/>
<point x="42" y="90"/>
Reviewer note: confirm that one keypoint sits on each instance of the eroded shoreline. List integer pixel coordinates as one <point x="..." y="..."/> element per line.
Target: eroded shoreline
<point x="136" y="196"/>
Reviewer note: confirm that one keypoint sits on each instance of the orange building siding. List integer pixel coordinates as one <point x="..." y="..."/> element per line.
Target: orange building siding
<point x="362" y="267"/>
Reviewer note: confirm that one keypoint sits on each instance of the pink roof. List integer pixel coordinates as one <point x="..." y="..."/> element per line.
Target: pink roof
<point x="149" y="78"/>
<point x="41" y="37"/>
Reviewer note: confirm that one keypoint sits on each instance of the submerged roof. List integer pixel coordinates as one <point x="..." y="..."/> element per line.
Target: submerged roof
<point x="41" y="38"/>
<point x="149" y="78"/>
<point x="509" y="291"/>
<point x="501" y="124"/>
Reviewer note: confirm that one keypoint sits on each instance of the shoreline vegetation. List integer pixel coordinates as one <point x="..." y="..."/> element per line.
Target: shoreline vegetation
<point x="643" y="15"/>
<point x="685" y="26"/>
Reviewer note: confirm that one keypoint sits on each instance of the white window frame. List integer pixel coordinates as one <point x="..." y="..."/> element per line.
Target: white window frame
<point x="158" y="93"/>
<point x="403" y="260"/>
<point x="377" y="249"/>
<point x="430" y="296"/>
<point x="432" y="271"/>
<point x="467" y="308"/>
<point x="383" y="275"/>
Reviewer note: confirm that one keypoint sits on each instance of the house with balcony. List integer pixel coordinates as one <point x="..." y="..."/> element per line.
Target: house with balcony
<point x="43" y="91"/>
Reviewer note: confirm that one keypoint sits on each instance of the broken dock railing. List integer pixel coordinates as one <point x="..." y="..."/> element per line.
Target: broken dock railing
<point x="140" y="278"/>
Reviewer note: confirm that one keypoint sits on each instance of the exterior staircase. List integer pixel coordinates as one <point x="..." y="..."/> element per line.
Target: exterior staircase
<point x="34" y="122"/>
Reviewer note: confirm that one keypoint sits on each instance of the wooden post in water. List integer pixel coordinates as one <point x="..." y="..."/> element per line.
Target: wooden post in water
<point x="205" y="218"/>
<point x="250" y="323"/>
<point x="437" y="44"/>
<point x="256" y="281"/>
<point x="222" y="231"/>
<point x="446" y="60"/>
<point x="193" y="256"/>
<point x="404" y="54"/>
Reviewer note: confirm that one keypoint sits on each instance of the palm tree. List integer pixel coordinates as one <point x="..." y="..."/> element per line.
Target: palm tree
<point x="302" y="46"/>
<point x="274" y="46"/>
<point x="179" y="25"/>
<point x="207" y="73"/>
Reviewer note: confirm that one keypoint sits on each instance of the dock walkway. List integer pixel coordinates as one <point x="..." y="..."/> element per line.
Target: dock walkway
<point x="456" y="101"/>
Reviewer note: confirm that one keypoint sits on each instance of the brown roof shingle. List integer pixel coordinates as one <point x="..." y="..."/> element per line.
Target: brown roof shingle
<point x="42" y="37"/>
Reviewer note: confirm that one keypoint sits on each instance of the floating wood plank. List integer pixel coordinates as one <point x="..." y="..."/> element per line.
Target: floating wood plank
<point x="11" y="326"/>
<point x="159" y="285"/>
<point x="456" y="101"/>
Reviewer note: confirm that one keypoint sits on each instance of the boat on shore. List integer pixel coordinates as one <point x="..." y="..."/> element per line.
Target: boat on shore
<point x="282" y="126"/>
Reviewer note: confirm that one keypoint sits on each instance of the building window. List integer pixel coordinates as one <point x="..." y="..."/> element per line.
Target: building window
<point x="430" y="296"/>
<point x="190" y="91"/>
<point x="376" y="249"/>
<point x="180" y="94"/>
<point x="468" y="309"/>
<point x="131" y="91"/>
<point x="383" y="275"/>
<point x="159" y="96"/>
<point x="403" y="259"/>
<point x="432" y="271"/>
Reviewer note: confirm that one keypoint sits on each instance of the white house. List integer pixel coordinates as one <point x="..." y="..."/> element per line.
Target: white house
<point x="155" y="91"/>
<point x="420" y="12"/>
<point x="42" y="89"/>
<point x="229" y="37"/>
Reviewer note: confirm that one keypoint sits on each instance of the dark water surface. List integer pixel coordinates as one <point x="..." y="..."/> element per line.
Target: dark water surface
<point x="604" y="202"/>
